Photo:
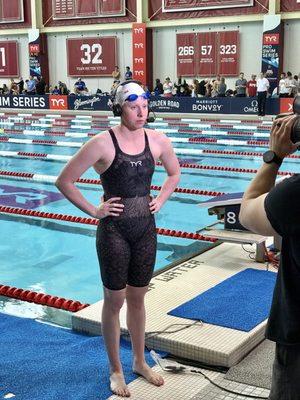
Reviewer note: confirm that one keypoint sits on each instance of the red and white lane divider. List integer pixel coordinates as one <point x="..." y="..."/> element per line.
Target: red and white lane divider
<point x="79" y="144"/>
<point x="87" y="181"/>
<point x="198" y="140"/>
<point x="242" y="153"/>
<point x="39" y="142"/>
<point x="229" y="169"/>
<point x="29" y="132"/>
<point x="204" y="127"/>
<point x="223" y="133"/>
<point x="61" y="157"/>
<point x="95" y="221"/>
<point x="172" y="119"/>
<point x="202" y="140"/>
<point x="58" y="157"/>
<point x="24" y="154"/>
<point x="41" y="298"/>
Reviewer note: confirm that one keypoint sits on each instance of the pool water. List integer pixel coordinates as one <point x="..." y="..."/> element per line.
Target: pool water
<point x="59" y="258"/>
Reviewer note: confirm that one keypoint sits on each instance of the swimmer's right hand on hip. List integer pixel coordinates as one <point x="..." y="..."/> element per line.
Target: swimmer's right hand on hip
<point x="109" y="208"/>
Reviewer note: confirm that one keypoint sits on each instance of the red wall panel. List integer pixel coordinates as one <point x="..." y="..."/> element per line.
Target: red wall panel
<point x="156" y="13"/>
<point x="228" y="53"/>
<point x="83" y="12"/>
<point x="9" y="60"/>
<point x="139" y="53"/>
<point x="208" y="53"/>
<point x="11" y="10"/>
<point x="91" y="56"/>
<point x="186" y="57"/>
<point x="289" y="5"/>
<point x="206" y="43"/>
<point x="111" y="7"/>
<point x="87" y="8"/>
<point x="187" y="5"/>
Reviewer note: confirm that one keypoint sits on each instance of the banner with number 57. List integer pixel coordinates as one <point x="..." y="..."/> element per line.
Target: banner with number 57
<point x="208" y="53"/>
<point x="206" y="43"/>
<point x="91" y="56"/>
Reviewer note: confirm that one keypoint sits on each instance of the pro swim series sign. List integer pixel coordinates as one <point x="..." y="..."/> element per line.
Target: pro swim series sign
<point x="35" y="102"/>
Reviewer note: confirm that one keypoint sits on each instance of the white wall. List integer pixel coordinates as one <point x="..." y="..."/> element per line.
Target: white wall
<point x="164" y="52"/>
<point x="164" y="43"/>
<point x="23" y="57"/>
<point x="57" y="52"/>
<point x="291" y="59"/>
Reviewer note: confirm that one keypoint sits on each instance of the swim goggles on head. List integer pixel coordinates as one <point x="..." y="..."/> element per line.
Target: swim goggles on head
<point x="133" y="97"/>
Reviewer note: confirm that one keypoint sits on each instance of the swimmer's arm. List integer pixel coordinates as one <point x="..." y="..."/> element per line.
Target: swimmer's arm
<point x="252" y="214"/>
<point x="87" y="156"/>
<point x="170" y="162"/>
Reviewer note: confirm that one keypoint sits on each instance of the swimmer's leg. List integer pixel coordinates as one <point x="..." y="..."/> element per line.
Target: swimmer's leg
<point x="143" y="254"/>
<point x="114" y="256"/>
<point x="113" y="301"/>
<point x="136" y="319"/>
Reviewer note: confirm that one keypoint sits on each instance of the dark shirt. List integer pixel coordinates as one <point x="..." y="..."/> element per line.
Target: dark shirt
<point x="283" y="211"/>
<point x="80" y="85"/>
<point x="40" y="87"/>
<point x="158" y="89"/>
<point x="128" y="75"/>
<point x="222" y="89"/>
<point x="21" y="86"/>
<point x="241" y="83"/>
<point x="202" y="88"/>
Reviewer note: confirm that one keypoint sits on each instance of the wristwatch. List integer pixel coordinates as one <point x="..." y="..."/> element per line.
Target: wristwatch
<point x="271" y="157"/>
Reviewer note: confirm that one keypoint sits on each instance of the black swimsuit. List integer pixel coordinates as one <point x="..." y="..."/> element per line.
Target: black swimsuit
<point x="126" y="245"/>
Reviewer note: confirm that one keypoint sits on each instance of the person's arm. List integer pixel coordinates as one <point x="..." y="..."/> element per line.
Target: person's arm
<point x="252" y="214"/>
<point x="267" y="84"/>
<point x="87" y="156"/>
<point x="171" y="165"/>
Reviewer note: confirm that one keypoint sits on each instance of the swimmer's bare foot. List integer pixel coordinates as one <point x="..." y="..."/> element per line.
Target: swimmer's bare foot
<point x="151" y="376"/>
<point x="118" y="385"/>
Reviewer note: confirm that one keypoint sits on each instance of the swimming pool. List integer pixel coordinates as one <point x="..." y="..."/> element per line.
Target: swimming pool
<point x="59" y="257"/>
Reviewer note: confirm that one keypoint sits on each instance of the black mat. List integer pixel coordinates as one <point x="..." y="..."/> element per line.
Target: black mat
<point x="256" y="368"/>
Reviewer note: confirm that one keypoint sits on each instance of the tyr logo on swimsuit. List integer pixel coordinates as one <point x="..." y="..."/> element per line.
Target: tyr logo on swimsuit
<point x="136" y="163"/>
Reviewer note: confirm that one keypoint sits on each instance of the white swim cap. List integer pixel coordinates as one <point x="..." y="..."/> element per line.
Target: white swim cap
<point x="128" y="91"/>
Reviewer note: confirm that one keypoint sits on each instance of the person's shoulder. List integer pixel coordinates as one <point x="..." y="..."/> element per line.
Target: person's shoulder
<point x="157" y="136"/>
<point x="101" y="139"/>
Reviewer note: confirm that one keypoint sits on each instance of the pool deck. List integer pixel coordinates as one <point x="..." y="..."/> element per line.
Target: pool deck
<point x="204" y="343"/>
<point x="209" y="344"/>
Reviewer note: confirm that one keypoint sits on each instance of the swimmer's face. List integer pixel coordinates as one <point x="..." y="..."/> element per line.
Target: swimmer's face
<point x="135" y="113"/>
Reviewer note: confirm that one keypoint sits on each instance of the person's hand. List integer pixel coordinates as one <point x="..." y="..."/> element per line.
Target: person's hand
<point x="155" y="205"/>
<point x="109" y="208"/>
<point x="280" y="138"/>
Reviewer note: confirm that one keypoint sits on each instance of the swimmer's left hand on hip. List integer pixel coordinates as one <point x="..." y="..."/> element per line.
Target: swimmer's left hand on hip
<point x="155" y="205"/>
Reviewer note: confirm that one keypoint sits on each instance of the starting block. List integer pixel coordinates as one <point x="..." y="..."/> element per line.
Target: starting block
<point x="227" y="208"/>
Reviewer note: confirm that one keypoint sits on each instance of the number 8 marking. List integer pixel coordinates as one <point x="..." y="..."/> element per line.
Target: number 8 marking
<point x="231" y="217"/>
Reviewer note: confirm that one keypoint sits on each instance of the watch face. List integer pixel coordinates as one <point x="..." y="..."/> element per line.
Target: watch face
<point x="268" y="156"/>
